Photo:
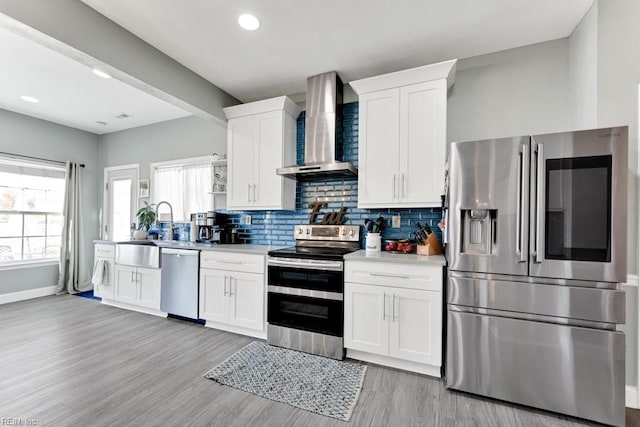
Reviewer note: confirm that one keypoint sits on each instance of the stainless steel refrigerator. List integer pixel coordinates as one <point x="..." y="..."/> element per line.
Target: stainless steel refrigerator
<point x="537" y="250"/>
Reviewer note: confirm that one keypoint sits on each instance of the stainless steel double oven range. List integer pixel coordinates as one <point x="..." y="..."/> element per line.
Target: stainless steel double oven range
<point x="536" y="252"/>
<point x="305" y="309"/>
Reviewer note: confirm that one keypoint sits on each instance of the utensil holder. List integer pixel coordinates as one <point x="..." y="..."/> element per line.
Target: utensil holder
<point x="373" y="242"/>
<point x="431" y="246"/>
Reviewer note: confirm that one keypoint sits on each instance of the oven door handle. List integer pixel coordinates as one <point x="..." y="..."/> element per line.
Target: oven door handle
<point x="306" y="264"/>
<point x="334" y="296"/>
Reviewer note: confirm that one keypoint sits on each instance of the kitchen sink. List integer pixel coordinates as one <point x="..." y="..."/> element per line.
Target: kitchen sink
<point x="138" y="253"/>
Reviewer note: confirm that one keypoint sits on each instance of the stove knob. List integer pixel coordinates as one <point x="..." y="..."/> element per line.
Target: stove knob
<point x="308" y="231"/>
<point x="300" y="230"/>
<point x="351" y="233"/>
<point x="344" y="231"/>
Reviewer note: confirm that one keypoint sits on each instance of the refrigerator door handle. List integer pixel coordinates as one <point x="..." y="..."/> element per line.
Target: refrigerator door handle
<point x="519" y="204"/>
<point x="539" y="152"/>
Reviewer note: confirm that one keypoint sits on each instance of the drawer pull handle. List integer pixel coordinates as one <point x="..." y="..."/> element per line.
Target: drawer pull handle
<point x="229" y="262"/>
<point x="393" y="276"/>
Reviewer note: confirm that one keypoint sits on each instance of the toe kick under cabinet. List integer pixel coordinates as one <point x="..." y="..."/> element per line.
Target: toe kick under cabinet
<point x="232" y="292"/>
<point x="393" y="315"/>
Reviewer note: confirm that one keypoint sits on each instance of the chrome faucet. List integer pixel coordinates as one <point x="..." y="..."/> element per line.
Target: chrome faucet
<point x="170" y="213"/>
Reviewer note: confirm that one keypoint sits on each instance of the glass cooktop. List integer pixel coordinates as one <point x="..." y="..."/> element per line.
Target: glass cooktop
<point x="311" y="252"/>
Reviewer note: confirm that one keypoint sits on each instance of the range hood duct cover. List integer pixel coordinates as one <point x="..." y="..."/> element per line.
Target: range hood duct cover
<point x="323" y="131"/>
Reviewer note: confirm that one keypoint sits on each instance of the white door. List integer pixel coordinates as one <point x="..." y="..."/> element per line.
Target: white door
<point x="241" y="147"/>
<point x="214" y="295"/>
<point x="422" y="143"/>
<point x="247" y="300"/>
<point x="149" y="289"/>
<point x="366" y="318"/>
<point x="125" y="290"/>
<point x="378" y="180"/>
<point x="267" y="185"/>
<point x="120" y="202"/>
<point x="416" y="326"/>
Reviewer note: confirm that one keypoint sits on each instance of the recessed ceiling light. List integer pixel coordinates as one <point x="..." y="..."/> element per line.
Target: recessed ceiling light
<point x="101" y="73"/>
<point x="100" y="122"/>
<point x="29" y="99"/>
<point x="248" y="22"/>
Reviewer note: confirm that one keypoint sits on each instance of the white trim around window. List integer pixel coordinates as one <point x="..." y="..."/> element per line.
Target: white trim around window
<point x="203" y="193"/>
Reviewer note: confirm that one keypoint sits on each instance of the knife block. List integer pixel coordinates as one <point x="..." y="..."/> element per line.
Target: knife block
<point x="431" y="246"/>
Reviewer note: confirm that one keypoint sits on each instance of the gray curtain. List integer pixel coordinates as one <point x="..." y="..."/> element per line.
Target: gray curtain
<point x="74" y="267"/>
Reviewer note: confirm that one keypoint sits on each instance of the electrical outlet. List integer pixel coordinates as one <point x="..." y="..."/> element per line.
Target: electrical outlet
<point x="396" y="221"/>
<point x="247" y="219"/>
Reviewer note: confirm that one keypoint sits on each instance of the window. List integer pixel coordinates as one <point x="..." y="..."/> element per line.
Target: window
<point x="185" y="184"/>
<point x="31" y="200"/>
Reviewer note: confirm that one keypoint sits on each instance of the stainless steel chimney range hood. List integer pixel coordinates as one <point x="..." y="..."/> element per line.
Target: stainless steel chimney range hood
<point x="323" y="131"/>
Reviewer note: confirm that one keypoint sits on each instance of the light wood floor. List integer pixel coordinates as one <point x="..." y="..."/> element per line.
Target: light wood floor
<point x="72" y="361"/>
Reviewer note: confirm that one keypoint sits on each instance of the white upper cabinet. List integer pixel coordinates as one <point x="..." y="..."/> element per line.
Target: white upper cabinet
<point x="261" y="137"/>
<point x="402" y="143"/>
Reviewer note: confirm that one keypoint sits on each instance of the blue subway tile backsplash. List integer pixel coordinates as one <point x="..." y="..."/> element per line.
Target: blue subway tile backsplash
<point x="276" y="227"/>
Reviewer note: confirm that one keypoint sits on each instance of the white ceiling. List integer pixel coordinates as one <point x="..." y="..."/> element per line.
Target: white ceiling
<point x="357" y="38"/>
<point x="69" y="93"/>
<point x="297" y="39"/>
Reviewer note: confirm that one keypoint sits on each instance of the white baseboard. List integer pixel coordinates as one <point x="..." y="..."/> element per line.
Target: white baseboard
<point x="631" y="397"/>
<point x="133" y="307"/>
<point x="28" y="294"/>
<point x="392" y="362"/>
<point x="236" y="330"/>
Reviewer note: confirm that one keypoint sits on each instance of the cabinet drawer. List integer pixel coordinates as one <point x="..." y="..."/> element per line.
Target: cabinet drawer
<point x="232" y="261"/>
<point x="105" y="251"/>
<point x="396" y="275"/>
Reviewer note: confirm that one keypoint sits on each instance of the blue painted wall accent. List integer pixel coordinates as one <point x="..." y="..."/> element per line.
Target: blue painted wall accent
<point x="276" y="227"/>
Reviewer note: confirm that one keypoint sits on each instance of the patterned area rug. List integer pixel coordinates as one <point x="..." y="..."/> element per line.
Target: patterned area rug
<point x="313" y="383"/>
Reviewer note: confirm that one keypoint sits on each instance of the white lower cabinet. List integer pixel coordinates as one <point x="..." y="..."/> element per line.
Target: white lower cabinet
<point x="392" y="325"/>
<point x="232" y="299"/>
<point x="138" y="286"/>
<point x="105" y="253"/>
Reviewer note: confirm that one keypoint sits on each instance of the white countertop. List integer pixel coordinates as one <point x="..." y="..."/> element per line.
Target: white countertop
<point x="381" y="256"/>
<point x="238" y="248"/>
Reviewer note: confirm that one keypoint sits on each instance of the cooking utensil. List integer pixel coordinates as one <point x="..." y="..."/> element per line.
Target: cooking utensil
<point x="380" y="222"/>
<point x="368" y="225"/>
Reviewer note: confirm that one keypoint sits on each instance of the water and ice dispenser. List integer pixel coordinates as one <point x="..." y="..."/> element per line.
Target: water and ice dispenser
<point x="478" y="234"/>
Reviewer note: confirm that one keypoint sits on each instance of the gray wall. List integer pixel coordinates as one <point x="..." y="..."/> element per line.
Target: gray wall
<point x="618" y="80"/>
<point x="513" y="92"/>
<point x="583" y="72"/>
<point x="25" y="135"/>
<point x="170" y="140"/>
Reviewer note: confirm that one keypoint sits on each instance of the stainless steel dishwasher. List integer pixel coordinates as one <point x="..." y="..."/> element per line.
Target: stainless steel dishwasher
<point x="180" y="282"/>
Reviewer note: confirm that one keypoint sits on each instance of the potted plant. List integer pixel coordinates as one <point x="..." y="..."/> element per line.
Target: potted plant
<point x="146" y="217"/>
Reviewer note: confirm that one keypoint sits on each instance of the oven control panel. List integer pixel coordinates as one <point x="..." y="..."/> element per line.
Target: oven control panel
<point x="342" y="233"/>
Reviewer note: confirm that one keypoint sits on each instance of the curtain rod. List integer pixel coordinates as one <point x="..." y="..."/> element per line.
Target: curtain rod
<point x="37" y="158"/>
